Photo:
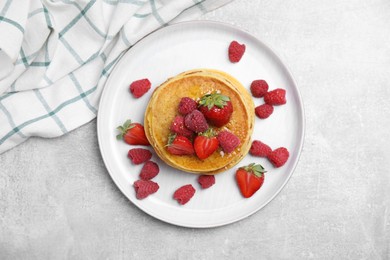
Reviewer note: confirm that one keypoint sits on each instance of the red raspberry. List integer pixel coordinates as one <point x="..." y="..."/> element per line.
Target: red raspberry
<point x="179" y="128"/>
<point x="236" y="51"/>
<point x="187" y="105"/>
<point x="196" y="121"/>
<point x="260" y="149"/>
<point x="149" y="171"/>
<point x="206" y="181"/>
<point x="264" y="111"/>
<point x="275" y="97"/>
<point x="144" y="188"/>
<point x="278" y="157"/>
<point x="139" y="155"/>
<point x="184" y="194"/>
<point x="139" y="87"/>
<point x="259" y="87"/>
<point x="228" y="141"/>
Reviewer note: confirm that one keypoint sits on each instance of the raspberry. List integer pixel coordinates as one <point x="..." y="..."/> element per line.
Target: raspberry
<point x="236" y="51"/>
<point x="228" y="141"/>
<point x="206" y="181"/>
<point x="139" y="87"/>
<point x="196" y="121"/>
<point x="179" y="128"/>
<point x="139" y="155"/>
<point x="278" y="157"/>
<point x="260" y="149"/>
<point x="264" y="111"/>
<point x="184" y="194"/>
<point x="275" y="97"/>
<point x="187" y="105"/>
<point x="149" y="171"/>
<point x="144" y="188"/>
<point x="259" y="87"/>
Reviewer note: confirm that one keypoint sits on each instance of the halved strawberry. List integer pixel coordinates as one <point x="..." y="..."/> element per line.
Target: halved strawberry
<point x="216" y="108"/>
<point x="250" y="178"/>
<point x="179" y="145"/>
<point x="132" y="133"/>
<point x="205" y="144"/>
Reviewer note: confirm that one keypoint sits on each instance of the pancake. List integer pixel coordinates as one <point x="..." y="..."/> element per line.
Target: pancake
<point x="163" y="107"/>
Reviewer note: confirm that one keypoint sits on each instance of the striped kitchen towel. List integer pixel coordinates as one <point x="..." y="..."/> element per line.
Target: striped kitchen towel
<point x="56" y="55"/>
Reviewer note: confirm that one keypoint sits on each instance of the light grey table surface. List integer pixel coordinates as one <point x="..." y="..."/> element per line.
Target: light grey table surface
<point x="57" y="200"/>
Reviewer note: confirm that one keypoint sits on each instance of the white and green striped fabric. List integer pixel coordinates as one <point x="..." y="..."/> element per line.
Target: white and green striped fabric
<point x="56" y="55"/>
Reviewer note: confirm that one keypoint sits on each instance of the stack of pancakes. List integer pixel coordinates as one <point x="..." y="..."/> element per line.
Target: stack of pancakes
<point x="163" y="107"/>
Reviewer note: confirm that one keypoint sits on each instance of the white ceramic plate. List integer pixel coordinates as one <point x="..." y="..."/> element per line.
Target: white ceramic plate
<point x="166" y="53"/>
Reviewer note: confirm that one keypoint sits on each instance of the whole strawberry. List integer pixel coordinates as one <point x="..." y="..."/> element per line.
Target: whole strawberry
<point x="132" y="133"/>
<point x="216" y="108"/>
<point x="250" y="178"/>
<point x="179" y="145"/>
<point x="205" y="144"/>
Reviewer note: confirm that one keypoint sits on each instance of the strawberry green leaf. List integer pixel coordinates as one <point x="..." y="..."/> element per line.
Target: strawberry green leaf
<point x="256" y="169"/>
<point x="214" y="99"/>
<point x="208" y="133"/>
<point x="171" y="138"/>
<point x="123" y="129"/>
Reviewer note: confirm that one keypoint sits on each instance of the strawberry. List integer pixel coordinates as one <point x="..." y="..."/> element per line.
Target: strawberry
<point x="179" y="145"/>
<point x="139" y="155"/>
<point x="144" y="188"/>
<point x="250" y="178"/>
<point x="278" y="157"/>
<point x="228" y="141"/>
<point x="206" y="181"/>
<point x="275" y="97"/>
<point x="139" y="87"/>
<point x="236" y="51"/>
<point x="259" y="87"/>
<point x="263" y="111"/>
<point x="132" y="133"/>
<point x="149" y="171"/>
<point x="259" y="149"/>
<point x="205" y="144"/>
<point x="216" y="108"/>
<point x="184" y="194"/>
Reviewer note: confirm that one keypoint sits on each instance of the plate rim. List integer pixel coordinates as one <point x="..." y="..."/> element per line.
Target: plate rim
<point x="279" y="60"/>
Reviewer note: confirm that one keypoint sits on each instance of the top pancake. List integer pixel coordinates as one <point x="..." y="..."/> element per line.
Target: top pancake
<point x="163" y="107"/>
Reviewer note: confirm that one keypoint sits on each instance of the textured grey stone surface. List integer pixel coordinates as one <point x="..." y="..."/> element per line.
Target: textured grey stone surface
<point x="57" y="200"/>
